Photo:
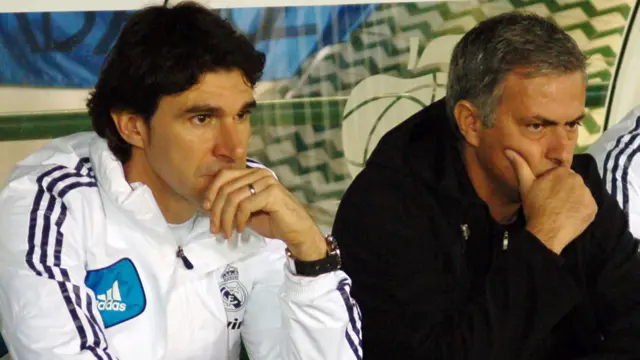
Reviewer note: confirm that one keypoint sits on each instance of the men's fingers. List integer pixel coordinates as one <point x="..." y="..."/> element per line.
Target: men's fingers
<point x="229" y="180"/>
<point x="223" y="177"/>
<point x="523" y="171"/>
<point x="221" y="194"/>
<point x="251" y="205"/>
<point x="224" y="217"/>
<point x="224" y="214"/>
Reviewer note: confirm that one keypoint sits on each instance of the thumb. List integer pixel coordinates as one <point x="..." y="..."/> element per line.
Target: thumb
<point x="523" y="171"/>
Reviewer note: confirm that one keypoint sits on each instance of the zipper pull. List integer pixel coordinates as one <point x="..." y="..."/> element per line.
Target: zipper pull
<point x="180" y="254"/>
<point x="465" y="231"/>
<point x="465" y="234"/>
<point x="505" y="240"/>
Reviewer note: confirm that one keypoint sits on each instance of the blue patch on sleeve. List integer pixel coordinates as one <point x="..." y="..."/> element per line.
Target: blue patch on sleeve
<point x="118" y="290"/>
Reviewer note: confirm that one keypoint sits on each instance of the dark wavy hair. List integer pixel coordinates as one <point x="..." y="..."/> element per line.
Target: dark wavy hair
<point x="163" y="51"/>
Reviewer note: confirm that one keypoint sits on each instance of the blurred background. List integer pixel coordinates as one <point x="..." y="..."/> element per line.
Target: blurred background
<point x="337" y="76"/>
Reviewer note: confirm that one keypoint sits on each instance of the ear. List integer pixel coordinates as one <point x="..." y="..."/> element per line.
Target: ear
<point x="132" y="128"/>
<point x="468" y="121"/>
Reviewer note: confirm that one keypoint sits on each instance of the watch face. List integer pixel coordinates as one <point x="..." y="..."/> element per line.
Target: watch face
<point x="332" y="244"/>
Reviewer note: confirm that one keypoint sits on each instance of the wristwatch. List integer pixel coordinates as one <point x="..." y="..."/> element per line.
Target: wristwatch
<point x="331" y="262"/>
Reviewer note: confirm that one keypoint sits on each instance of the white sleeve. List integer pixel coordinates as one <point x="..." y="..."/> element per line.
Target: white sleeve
<point x="291" y="317"/>
<point x="633" y="187"/>
<point x="619" y="165"/>
<point x="47" y="313"/>
<point x="617" y="153"/>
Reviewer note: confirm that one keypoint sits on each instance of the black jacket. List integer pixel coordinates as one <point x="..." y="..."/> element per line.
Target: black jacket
<point x="427" y="293"/>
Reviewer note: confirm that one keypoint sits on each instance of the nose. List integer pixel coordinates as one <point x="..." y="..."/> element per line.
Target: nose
<point x="561" y="146"/>
<point x="229" y="142"/>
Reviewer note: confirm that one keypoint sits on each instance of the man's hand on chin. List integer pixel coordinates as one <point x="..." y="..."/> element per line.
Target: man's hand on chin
<point x="254" y="197"/>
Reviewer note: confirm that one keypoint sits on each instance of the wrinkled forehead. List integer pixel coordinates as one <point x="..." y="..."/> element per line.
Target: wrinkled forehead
<point x="553" y="96"/>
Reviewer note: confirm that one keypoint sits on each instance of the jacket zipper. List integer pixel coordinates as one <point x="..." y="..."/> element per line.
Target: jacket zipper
<point x="180" y="254"/>
<point x="465" y="235"/>
<point x="466" y="232"/>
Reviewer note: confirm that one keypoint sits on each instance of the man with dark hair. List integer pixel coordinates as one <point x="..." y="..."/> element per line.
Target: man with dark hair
<point x="155" y="236"/>
<point x="473" y="232"/>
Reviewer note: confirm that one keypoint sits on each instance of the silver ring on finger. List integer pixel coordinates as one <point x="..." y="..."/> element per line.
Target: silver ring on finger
<point x="252" y="189"/>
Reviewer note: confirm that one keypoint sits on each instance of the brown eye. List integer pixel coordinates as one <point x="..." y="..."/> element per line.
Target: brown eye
<point x="536" y="128"/>
<point x="200" y="119"/>
<point x="243" y="115"/>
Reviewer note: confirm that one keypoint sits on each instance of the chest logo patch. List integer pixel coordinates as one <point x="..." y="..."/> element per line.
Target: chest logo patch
<point x="234" y="294"/>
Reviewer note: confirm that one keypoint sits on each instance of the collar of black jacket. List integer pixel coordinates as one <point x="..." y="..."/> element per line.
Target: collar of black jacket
<point x="425" y="147"/>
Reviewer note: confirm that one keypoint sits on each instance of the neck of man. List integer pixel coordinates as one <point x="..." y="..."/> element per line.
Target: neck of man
<point x="174" y="207"/>
<point x="501" y="206"/>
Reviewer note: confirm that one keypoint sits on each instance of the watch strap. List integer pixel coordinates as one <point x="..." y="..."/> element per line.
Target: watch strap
<point x="331" y="262"/>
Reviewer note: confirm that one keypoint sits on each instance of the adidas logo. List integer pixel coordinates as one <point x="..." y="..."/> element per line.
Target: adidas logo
<point x="111" y="301"/>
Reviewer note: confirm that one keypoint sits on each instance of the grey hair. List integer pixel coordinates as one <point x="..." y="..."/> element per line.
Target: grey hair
<point x="499" y="45"/>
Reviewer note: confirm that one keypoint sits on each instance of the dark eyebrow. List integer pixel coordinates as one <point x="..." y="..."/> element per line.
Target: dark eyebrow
<point x="202" y="109"/>
<point x="547" y="122"/>
<point x="215" y="110"/>
<point x="249" y="105"/>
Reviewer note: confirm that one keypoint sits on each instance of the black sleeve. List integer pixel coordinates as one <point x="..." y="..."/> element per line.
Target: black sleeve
<point x="615" y="256"/>
<point x="412" y="303"/>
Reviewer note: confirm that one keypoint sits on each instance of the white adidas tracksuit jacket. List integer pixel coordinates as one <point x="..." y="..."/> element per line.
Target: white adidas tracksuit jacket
<point x="88" y="270"/>
<point x="617" y="153"/>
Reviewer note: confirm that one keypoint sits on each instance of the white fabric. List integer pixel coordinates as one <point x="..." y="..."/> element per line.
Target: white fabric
<point x="181" y="231"/>
<point x="617" y="154"/>
<point x="69" y="217"/>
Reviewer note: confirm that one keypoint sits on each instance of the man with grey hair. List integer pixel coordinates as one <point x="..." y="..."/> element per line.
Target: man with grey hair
<point x="475" y="233"/>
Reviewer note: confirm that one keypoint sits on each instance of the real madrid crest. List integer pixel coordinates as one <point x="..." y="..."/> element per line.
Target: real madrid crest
<point x="234" y="294"/>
